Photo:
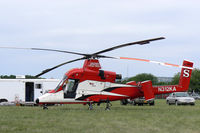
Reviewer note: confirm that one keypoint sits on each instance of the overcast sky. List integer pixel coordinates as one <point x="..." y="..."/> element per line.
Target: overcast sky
<point x="88" y="26"/>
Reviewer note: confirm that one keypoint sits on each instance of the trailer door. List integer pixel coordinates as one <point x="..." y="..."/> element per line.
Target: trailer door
<point x="29" y="91"/>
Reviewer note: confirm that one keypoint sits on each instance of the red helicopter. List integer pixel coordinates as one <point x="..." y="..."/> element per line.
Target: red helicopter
<point x="90" y="84"/>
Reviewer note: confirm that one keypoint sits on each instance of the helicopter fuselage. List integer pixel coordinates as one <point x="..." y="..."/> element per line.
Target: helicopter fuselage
<point x="90" y="84"/>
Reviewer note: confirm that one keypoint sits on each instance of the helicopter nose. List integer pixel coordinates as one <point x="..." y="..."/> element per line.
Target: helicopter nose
<point x="37" y="101"/>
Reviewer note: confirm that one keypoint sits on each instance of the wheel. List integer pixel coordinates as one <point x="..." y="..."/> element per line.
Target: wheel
<point x="90" y="106"/>
<point x="3" y="100"/>
<point x="107" y="108"/>
<point x="124" y="102"/>
<point x="45" y="107"/>
<point x="192" y="104"/>
<point x="176" y="103"/>
<point x="134" y="103"/>
<point x="140" y="104"/>
<point x="168" y="102"/>
<point x="152" y="103"/>
<point x="108" y="105"/>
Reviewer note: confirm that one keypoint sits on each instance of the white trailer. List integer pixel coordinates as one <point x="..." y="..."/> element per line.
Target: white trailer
<point x="25" y="90"/>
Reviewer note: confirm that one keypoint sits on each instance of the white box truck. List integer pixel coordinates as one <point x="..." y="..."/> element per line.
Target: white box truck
<point x="25" y="90"/>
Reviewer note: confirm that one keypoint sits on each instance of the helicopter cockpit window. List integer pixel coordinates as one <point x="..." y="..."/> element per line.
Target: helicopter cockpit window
<point x="70" y="85"/>
<point x="70" y="88"/>
<point x="61" y="82"/>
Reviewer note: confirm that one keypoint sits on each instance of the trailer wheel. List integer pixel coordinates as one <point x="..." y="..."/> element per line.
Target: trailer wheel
<point x="3" y="100"/>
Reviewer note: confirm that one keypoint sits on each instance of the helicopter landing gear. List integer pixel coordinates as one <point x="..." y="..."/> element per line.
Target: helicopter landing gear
<point x="90" y="106"/>
<point x="45" y="107"/>
<point x="108" y="105"/>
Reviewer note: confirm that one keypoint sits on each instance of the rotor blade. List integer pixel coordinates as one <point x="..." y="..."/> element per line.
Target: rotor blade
<point x="42" y="49"/>
<point x="128" y="44"/>
<point x="156" y="62"/>
<point x="103" y="56"/>
<point x="50" y="69"/>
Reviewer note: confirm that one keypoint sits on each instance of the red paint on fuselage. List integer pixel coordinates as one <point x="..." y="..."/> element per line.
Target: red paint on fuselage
<point x="91" y="71"/>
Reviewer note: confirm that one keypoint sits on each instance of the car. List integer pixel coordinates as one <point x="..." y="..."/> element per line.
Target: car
<point x="141" y="101"/>
<point x="180" y="98"/>
<point x="137" y="101"/>
<point x="195" y="96"/>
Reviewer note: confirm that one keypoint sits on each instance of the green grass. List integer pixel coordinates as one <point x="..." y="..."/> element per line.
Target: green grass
<point x="125" y="119"/>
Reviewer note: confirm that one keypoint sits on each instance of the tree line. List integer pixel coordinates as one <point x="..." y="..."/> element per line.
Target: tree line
<point x="14" y="77"/>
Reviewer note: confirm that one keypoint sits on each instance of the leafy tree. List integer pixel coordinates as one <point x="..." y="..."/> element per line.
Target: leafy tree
<point x="176" y="78"/>
<point x="142" y="77"/>
<point x="195" y="80"/>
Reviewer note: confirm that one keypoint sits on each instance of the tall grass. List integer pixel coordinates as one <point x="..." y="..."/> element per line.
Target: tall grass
<point x="76" y="118"/>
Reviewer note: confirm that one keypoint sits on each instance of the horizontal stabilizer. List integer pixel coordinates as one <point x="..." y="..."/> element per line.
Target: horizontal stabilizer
<point x="148" y="90"/>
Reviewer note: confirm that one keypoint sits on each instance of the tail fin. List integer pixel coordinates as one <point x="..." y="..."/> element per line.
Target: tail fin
<point x="185" y="76"/>
<point x="184" y="81"/>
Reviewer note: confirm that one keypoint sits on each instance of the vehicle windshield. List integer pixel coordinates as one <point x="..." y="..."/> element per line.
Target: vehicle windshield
<point x="194" y="94"/>
<point x="182" y="94"/>
<point x="69" y="85"/>
<point x="61" y="82"/>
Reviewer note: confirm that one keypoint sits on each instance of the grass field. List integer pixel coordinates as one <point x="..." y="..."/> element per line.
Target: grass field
<point x="161" y="118"/>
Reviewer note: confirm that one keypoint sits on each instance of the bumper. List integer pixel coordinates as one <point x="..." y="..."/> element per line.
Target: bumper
<point x="186" y="103"/>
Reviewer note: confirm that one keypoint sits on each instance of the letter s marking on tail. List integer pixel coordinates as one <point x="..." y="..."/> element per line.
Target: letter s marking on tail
<point x="186" y="73"/>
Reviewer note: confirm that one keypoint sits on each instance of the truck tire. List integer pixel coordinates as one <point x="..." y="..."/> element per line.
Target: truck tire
<point x="3" y="100"/>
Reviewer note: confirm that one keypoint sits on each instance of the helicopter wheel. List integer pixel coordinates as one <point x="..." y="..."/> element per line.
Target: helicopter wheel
<point x="90" y="106"/>
<point x="108" y="105"/>
<point x="45" y="106"/>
